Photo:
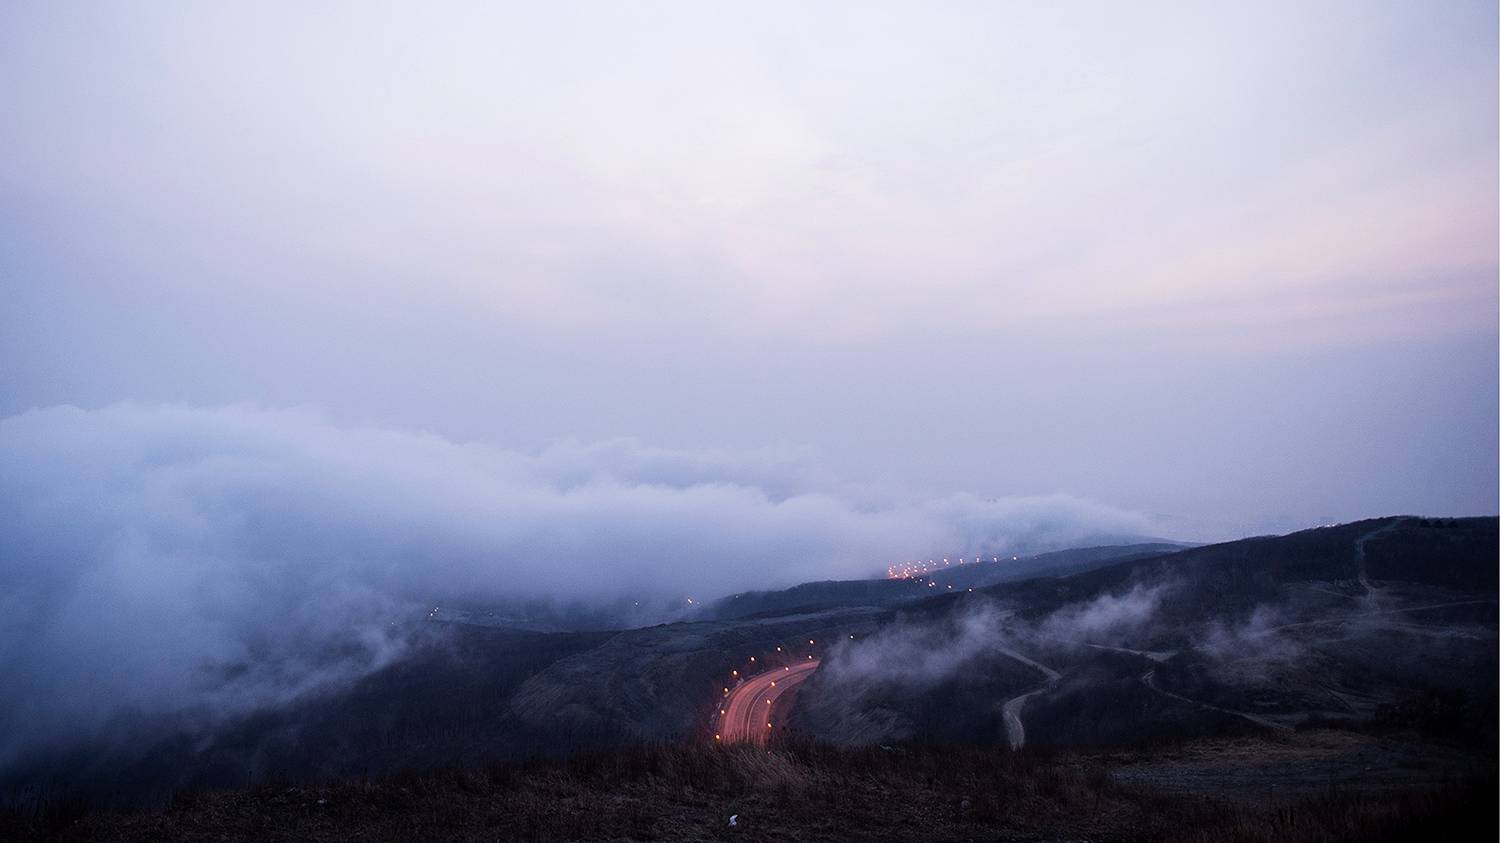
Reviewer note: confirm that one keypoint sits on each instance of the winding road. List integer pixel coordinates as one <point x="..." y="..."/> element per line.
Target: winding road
<point x="1015" y="730"/>
<point x="751" y="709"/>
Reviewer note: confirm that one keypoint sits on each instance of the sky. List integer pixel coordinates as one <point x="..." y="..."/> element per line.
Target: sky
<point x="1231" y="267"/>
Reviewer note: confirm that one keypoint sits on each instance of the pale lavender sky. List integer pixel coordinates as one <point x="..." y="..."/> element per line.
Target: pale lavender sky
<point x="1228" y="266"/>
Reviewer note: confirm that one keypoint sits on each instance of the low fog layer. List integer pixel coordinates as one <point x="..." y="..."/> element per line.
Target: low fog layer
<point x="170" y="560"/>
<point x="919" y="653"/>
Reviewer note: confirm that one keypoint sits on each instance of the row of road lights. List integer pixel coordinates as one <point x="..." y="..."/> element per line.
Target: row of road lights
<point x="909" y="570"/>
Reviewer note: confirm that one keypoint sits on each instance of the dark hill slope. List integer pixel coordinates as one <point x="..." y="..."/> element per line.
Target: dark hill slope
<point x="892" y="592"/>
<point x="1455" y="554"/>
<point x="1387" y="623"/>
<point x="446" y="702"/>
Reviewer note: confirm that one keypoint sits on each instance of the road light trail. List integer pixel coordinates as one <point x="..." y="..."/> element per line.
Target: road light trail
<point x="751" y="705"/>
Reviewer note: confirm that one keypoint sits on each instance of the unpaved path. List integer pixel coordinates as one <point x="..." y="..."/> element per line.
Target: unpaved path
<point x="1149" y="677"/>
<point x="1372" y="598"/>
<point x="1015" y="730"/>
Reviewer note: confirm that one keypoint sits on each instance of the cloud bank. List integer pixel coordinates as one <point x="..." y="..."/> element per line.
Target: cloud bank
<point x="166" y="560"/>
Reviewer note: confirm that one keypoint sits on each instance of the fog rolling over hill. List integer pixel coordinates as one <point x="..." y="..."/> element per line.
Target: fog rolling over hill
<point x="684" y="421"/>
<point x="1376" y="639"/>
<point x="168" y="564"/>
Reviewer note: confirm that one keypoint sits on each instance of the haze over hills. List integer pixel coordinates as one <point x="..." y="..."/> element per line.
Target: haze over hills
<point x="1067" y="421"/>
<point x="1382" y="627"/>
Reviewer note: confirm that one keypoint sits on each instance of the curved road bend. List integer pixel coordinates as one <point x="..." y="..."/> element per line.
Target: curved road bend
<point x="1015" y="730"/>
<point x="745" y="713"/>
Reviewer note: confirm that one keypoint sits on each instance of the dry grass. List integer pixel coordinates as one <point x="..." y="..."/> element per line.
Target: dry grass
<point x="652" y="793"/>
<point x="1459" y="813"/>
<point x="787" y="792"/>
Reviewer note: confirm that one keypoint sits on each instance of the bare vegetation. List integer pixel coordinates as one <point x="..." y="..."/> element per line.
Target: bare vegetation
<point x="789" y="792"/>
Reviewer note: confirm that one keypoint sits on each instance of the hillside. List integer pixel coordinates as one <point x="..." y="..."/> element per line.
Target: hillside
<point x="1379" y="630"/>
<point x="1378" y="624"/>
<point x="892" y="592"/>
